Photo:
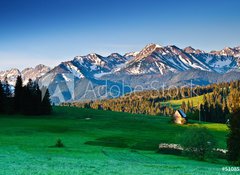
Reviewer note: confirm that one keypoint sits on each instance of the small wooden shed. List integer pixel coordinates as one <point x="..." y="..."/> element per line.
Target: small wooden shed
<point x="180" y="117"/>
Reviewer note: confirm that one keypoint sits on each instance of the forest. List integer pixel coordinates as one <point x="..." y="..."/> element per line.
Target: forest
<point x="219" y="101"/>
<point x="26" y="100"/>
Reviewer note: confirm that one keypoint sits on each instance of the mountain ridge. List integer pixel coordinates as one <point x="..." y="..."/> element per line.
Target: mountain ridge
<point x="27" y="73"/>
<point x="154" y="62"/>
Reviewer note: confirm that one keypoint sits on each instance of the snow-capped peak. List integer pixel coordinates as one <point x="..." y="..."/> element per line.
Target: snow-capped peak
<point x="152" y="59"/>
<point x="147" y="50"/>
<point x="189" y="49"/>
<point x="28" y="73"/>
<point x="153" y="45"/>
<point x="158" y="59"/>
<point x="227" y="51"/>
<point x="95" y="58"/>
<point x="131" y="55"/>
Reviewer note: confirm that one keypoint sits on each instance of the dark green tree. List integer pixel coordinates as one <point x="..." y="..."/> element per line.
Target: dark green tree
<point x="26" y="101"/>
<point x="202" y="112"/>
<point x="206" y="111"/>
<point x="2" y="97"/>
<point x="233" y="141"/>
<point x="8" y="101"/>
<point x="46" y="107"/>
<point x="212" y="113"/>
<point x="226" y="113"/>
<point x="18" y="92"/>
<point x="31" y="99"/>
<point x="7" y="88"/>
<point x="198" y="143"/>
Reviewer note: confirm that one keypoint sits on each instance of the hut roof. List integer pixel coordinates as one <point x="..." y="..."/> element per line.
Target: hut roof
<point x="182" y="113"/>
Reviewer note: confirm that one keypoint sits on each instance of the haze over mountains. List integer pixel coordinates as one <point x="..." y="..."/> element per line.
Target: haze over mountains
<point x="165" y="64"/>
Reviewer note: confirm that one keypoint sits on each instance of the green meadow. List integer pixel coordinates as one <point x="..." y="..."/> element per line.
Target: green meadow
<point x="98" y="142"/>
<point x="177" y="103"/>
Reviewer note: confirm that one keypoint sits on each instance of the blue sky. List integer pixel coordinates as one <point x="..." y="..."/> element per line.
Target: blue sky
<point x="51" y="31"/>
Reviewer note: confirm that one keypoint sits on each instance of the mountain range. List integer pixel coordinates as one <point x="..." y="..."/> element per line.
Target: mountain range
<point x="27" y="73"/>
<point x="151" y="67"/>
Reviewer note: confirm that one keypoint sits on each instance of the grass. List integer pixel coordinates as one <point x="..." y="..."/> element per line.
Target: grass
<point x="97" y="142"/>
<point x="177" y="103"/>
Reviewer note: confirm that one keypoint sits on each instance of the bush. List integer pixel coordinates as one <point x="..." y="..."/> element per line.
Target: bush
<point x="193" y="115"/>
<point x="198" y="143"/>
<point x="59" y="144"/>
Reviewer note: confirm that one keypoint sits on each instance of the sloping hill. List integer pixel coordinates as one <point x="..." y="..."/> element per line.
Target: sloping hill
<point x="177" y="103"/>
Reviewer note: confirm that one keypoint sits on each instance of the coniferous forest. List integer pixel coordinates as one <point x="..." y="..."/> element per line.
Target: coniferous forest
<point x="219" y="101"/>
<point x="26" y="100"/>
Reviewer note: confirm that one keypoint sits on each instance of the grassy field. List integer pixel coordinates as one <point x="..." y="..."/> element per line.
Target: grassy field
<point x="97" y="142"/>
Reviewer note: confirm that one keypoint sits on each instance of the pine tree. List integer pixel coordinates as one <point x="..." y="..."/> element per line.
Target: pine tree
<point x="183" y="106"/>
<point x="36" y="99"/>
<point x="211" y="113"/>
<point x="233" y="142"/>
<point x="18" y="94"/>
<point x="30" y="84"/>
<point x="26" y="100"/>
<point x="46" y="107"/>
<point x="204" y="98"/>
<point x="191" y="106"/>
<point x="188" y="107"/>
<point x="7" y="88"/>
<point x="8" y="101"/>
<point x="226" y="111"/>
<point x="31" y="98"/>
<point x="2" y="98"/>
<point x="202" y="112"/>
<point x="220" y="118"/>
<point x="206" y="111"/>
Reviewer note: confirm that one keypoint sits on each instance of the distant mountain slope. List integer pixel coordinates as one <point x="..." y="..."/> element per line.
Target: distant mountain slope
<point x="79" y="78"/>
<point x="90" y="66"/>
<point x="28" y="73"/>
<point x="151" y="67"/>
<point x="155" y="59"/>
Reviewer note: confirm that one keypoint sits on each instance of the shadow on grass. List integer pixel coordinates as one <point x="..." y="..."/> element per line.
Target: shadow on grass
<point x="118" y="142"/>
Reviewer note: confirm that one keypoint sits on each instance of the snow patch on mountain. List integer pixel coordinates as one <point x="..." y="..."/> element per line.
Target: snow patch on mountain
<point x="28" y="73"/>
<point x="159" y="60"/>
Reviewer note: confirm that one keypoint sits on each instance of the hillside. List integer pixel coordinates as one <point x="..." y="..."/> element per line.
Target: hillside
<point x="96" y="142"/>
<point x="211" y="103"/>
<point x="176" y="104"/>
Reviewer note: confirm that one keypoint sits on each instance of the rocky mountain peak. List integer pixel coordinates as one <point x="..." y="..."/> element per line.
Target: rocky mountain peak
<point x="41" y="66"/>
<point x="147" y="50"/>
<point x="189" y="49"/>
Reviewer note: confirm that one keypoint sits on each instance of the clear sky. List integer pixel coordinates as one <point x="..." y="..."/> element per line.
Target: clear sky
<point x="51" y="31"/>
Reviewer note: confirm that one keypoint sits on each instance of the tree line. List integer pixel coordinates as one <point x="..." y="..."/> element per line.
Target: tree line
<point x="27" y="100"/>
<point x="218" y="101"/>
<point x="150" y="102"/>
<point x="216" y="106"/>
